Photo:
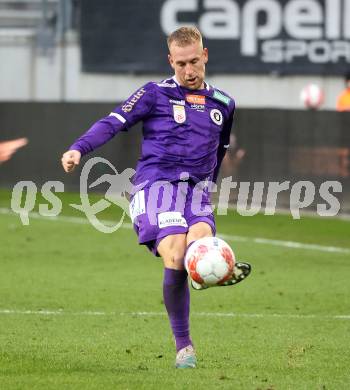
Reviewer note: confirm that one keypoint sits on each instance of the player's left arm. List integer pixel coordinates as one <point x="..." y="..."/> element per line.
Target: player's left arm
<point x="122" y="118"/>
<point x="224" y="141"/>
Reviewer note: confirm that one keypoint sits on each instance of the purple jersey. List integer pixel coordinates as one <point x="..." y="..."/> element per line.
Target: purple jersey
<point x="183" y="130"/>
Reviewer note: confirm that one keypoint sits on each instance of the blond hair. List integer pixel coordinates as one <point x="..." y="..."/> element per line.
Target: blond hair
<point x="185" y="36"/>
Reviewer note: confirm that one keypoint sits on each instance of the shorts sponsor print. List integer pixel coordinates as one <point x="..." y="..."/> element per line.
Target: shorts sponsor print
<point x="169" y="208"/>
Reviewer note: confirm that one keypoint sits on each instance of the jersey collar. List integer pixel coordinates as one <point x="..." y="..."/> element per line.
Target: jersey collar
<point x="206" y="85"/>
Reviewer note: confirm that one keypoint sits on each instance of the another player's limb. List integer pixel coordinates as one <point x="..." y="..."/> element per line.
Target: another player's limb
<point x="8" y="148"/>
<point x="70" y="160"/>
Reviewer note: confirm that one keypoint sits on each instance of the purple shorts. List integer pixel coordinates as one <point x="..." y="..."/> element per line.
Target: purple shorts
<point x="169" y="208"/>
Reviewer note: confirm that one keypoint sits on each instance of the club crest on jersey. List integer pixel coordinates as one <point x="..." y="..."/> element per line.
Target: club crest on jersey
<point x="179" y="114"/>
<point x="216" y="116"/>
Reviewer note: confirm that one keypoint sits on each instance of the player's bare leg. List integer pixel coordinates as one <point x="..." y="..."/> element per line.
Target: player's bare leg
<point x="172" y="249"/>
<point x="197" y="231"/>
<point x="177" y="297"/>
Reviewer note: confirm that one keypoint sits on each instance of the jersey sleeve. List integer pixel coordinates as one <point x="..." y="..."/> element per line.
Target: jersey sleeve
<point x="224" y="143"/>
<point x="226" y="131"/>
<point x="136" y="108"/>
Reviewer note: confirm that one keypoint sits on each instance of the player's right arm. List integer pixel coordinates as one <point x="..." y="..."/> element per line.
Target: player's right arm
<point x="137" y="107"/>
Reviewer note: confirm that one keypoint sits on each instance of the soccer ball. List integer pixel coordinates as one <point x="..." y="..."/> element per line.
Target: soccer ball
<point x="210" y="261"/>
<point x="312" y="96"/>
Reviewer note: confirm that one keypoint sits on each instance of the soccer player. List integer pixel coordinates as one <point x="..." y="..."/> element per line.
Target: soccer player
<point x="186" y="130"/>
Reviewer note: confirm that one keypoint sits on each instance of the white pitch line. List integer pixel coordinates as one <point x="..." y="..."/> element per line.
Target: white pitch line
<point x="161" y="314"/>
<point x="63" y="218"/>
<point x="286" y="244"/>
<point x="255" y="240"/>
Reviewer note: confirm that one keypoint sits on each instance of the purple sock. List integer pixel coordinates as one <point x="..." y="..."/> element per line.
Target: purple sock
<point x="177" y="302"/>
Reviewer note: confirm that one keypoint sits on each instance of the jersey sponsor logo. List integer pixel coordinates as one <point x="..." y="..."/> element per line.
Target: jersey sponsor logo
<point x="216" y="116"/>
<point x="166" y="85"/>
<point x="129" y="105"/>
<point x="195" y="99"/>
<point x="222" y="98"/>
<point x="198" y="107"/>
<point x="179" y="114"/>
<point x="177" y="102"/>
<point x="171" y="218"/>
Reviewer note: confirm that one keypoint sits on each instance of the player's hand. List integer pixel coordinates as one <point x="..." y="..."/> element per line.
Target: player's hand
<point x="70" y="160"/>
<point x="8" y="148"/>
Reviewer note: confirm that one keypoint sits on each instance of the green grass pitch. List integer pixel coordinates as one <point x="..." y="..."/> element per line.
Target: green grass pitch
<point x="83" y="310"/>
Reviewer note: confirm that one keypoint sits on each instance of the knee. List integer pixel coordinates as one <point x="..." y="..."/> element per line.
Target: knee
<point x="172" y="249"/>
<point x="175" y="258"/>
<point x="199" y="230"/>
